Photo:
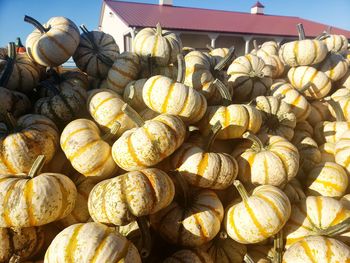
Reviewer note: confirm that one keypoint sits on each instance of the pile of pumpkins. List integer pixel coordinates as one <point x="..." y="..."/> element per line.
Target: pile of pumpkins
<point x="170" y="154"/>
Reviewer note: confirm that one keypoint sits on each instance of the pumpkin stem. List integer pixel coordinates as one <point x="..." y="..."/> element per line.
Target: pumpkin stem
<point x="19" y="42"/>
<point x="209" y="47"/>
<point x="145" y="235"/>
<point x="339" y="115"/>
<point x="112" y="134"/>
<point x="336" y="230"/>
<point x="181" y="68"/>
<point x="15" y="259"/>
<point x="35" y="23"/>
<point x="225" y="60"/>
<point x="133" y="115"/>
<point x="241" y="190"/>
<point x="11" y="56"/>
<point x="255" y="44"/>
<point x="248" y="259"/>
<point x="132" y="92"/>
<point x="11" y="121"/>
<point x="278" y="247"/>
<point x="159" y="29"/>
<point x="305" y="87"/>
<point x="213" y="133"/>
<point x="184" y="187"/>
<point x="37" y="166"/>
<point x="224" y="92"/>
<point x="223" y="235"/>
<point x="301" y="31"/>
<point x="256" y="141"/>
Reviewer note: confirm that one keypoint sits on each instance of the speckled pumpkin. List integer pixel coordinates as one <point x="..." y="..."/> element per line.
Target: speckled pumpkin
<point x="336" y="43"/>
<point x="258" y="216"/>
<point x="319" y="112"/>
<point x="342" y="150"/>
<point x="88" y="153"/>
<point x="275" y="63"/>
<point x="133" y="94"/>
<point x="14" y="102"/>
<point x="91" y="242"/>
<point x="53" y="43"/>
<point x="334" y="65"/>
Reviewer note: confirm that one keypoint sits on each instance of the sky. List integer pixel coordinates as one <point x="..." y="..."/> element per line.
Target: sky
<point x="335" y="12"/>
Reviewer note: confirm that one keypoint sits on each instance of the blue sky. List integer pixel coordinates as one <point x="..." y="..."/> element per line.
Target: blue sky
<point x="335" y="12"/>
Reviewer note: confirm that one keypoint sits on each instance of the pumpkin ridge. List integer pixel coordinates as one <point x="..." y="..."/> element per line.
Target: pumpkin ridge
<point x="315" y="49"/>
<point x="20" y="77"/>
<point x="67" y="32"/>
<point x="199" y="222"/>
<point x="53" y="113"/>
<point x="218" y="173"/>
<point x="202" y="166"/>
<point x="58" y="44"/>
<point x="273" y="206"/>
<point x="303" y="76"/>
<point x="123" y="73"/>
<point x="187" y="101"/>
<point x="9" y="167"/>
<point x="255" y="220"/>
<point x="100" y="246"/>
<point x="149" y="93"/>
<point x="167" y="97"/>
<point x="232" y="223"/>
<point x="66" y="103"/>
<point x="307" y="250"/>
<point x="28" y="196"/>
<point x="103" y="201"/>
<point x="329" y="185"/>
<point x="152" y="185"/>
<point x="319" y="207"/>
<point x="42" y="52"/>
<point x="155" y="142"/>
<point x="133" y="155"/>
<point x="329" y="252"/>
<point x="296" y="51"/>
<point x="72" y="244"/>
<point x="292" y="222"/>
<point x="95" y="109"/>
<point x="6" y="215"/>
<point x="340" y="216"/>
<point x="82" y="149"/>
<point x="266" y="167"/>
<point x="64" y="144"/>
<point x="115" y="84"/>
<point x="64" y="193"/>
<point x="209" y="207"/>
<point x="103" y="162"/>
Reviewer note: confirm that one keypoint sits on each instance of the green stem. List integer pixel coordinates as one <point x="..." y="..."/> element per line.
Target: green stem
<point x="241" y="190"/>
<point x="112" y="134"/>
<point x="37" y="166"/>
<point x="132" y="92"/>
<point x="255" y="44"/>
<point x="225" y="60"/>
<point x="133" y="115"/>
<point x="224" y="92"/>
<point x="183" y="186"/>
<point x="213" y="133"/>
<point x="248" y="259"/>
<point x="145" y="236"/>
<point x="305" y="87"/>
<point x="339" y="115"/>
<point x="256" y="141"/>
<point x="181" y="68"/>
<point x="209" y="47"/>
<point x="278" y="247"/>
<point x="36" y="23"/>
<point x="336" y="230"/>
<point x="11" y="57"/>
<point x="19" y="42"/>
<point x="301" y="31"/>
<point x="159" y="29"/>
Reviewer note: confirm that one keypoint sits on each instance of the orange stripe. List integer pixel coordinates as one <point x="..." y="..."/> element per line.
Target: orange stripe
<point x="203" y="231"/>
<point x="167" y="97"/>
<point x="82" y="149"/>
<point x="273" y="206"/>
<point x="307" y="250"/>
<point x="329" y="252"/>
<point x="202" y="166"/>
<point x="64" y="144"/>
<point x="149" y="91"/>
<point x="28" y="196"/>
<point x="232" y="224"/>
<point x="341" y="216"/>
<point x="100" y="104"/>
<point x="295" y="51"/>
<point x="7" y="209"/>
<point x="187" y="101"/>
<point x="266" y="170"/>
<point x="255" y="220"/>
<point x="41" y="50"/>
<point x="329" y="185"/>
<point x="319" y="210"/>
<point x="72" y="245"/>
<point x="155" y="45"/>
<point x="133" y="154"/>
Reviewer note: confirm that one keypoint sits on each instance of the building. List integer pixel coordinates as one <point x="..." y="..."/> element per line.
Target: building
<point x="198" y="27"/>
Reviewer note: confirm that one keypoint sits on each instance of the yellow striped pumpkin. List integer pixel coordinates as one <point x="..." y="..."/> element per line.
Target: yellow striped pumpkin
<point x="319" y="112"/>
<point x="275" y="63"/>
<point x="121" y="200"/>
<point x="268" y="48"/>
<point x="294" y="191"/>
<point x="133" y="94"/>
<point x="53" y="43"/>
<point x="24" y="140"/>
<point x="192" y="224"/>
<point x="218" y="54"/>
<point x="327" y="152"/>
<point x="317" y="249"/>
<point x="336" y="43"/>
<point x="189" y="256"/>
<point x="320" y="83"/>
<point x="257" y="217"/>
<point x="314" y="216"/>
<point x="250" y="77"/>
<point x="125" y="69"/>
<point x="91" y="242"/>
<point x="88" y="153"/>
<point x="105" y="107"/>
<point x="342" y="150"/>
<point x="334" y="66"/>
<point x="35" y="199"/>
<point x="96" y="53"/>
<point x="13" y="102"/>
<point x="342" y="97"/>
<point x="345" y="81"/>
<point x="271" y="160"/>
<point x="327" y="179"/>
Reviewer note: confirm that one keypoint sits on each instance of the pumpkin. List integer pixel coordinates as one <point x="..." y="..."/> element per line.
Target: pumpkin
<point x="320" y="84"/>
<point x="317" y="249"/>
<point x="293" y="97"/>
<point x="327" y="152"/>
<point x="96" y="53"/>
<point x="133" y="94"/>
<point x="319" y="112"/>
<point x="91" y="242"/>
<point x="327" y="179"/>
<point x="17" y="71"/>
<point x="189" y="256"/>
<point x="122" y="199"/>
<point x="268" y="48"/>
<point x="271" y="160"/>
<point x="149" y="144"/>
<point x="161" y="45"/>
<point x="309" y="152"/>
<point x="125" y="69"/>
<point x="24" y="242"/>
<point x="35" y="199"/>
<point x="334" y="65"/>
<point x="315" y="215"/>
<point x="105" y="107"/>
<point x="342" y="147"/>
<point x="23" y="140"/>
<point x="345" y="81"/>
<point x="53" y="43"/>
<point x="294" y="191"/>
<point x="250" y="77"/>
<point x="88" y="153"/>
<point x="303" y="52"/>
<point x="218" y="54"/>
<point x="163" y="95"/>
<point x="13" y="102"/>
<point x="342" y="97"/>
<point x="257" y="217"/>
<point x="336" y="43"/>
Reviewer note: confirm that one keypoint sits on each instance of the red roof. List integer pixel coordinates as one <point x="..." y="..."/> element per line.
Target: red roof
<point x="198" y="19"/>
<point x="258" y="4"/>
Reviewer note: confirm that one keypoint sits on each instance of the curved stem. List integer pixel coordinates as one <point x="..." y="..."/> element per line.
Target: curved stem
<point x="209" y="47"/>
<point x="133" y="115"/>
<point x="15" y="259"/>
<point x="19" y="42"/>
<point x="213" y="133"/>
<point x="339" y="115"/>
<point x="305" y="87"/>
<point x="37" y="166"/>
<point x="248" y="259"/>
<point x="301" y="31"/>
<point x="224" y="92"/>
<point x="241" y="190"/>
<point x="112" y="134"/>
<point x="336" y="230"/>
<point x="256" y="141"/>
<point x="11" y="121"/>
<point x="225" y="60"/>
<point x="278" y="247"/>
<point x="9" y="65"/>
<point x="159" y="29"/>
<point x="132" y="92"/>
<point x="184" y="187"/>
<point x="181" y="68"/>
<point x="35" y="23"/>
<point x="145" y="236"/>
<point x="255" y="44"/>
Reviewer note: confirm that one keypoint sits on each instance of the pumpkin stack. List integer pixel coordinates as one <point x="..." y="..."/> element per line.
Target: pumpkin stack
<point x="170" y="154"/>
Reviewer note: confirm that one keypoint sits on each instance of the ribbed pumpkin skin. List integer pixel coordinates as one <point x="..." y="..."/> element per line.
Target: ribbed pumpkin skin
<point x="336" y="43"/>
<point x="148" y="145"/>
<point x="327" y="152"/>
<point x="342" y="97"/>
<point x="35" y="135"/>
<point x="312" y="215"/>
<point x="275" y="164"/>
<point x="321" y="84"/>
<point x="162" y="48"/>
<point x="330" y="131"/>
<point x="87" y="152"/>
<point x="342" y="150"/>
<point x="303" y="52"/>
<point x="91" y="242"/>
<point x="235" y="120"/>
<point x="268" y="48"/>
<point x="14" y="102"/>
<point x="250" y="77"/>
<point x="25" y="242"/>
<point x="317" y="249"/>
<point x="327" y="179"/>
<point x="57" y="45"/>
<point x="35" y="202"/>
<point x="297" y="102"/>
<point x="319" y="112"/>
<point x="294" y="191"/>
<point x="275" y="63"/>
<point x="88" y="60"/>
<point x="335" y="66"/>
<point x="258" y="218"/>
<point x="189" y="256"/>
<point x="125" y="69"/>
<point x="105" y="106"/>
<point x="136" y="102"/>
<point x="121" y="200"/>
<point x="218" y="53"/>
<point x="164" y="95"/>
